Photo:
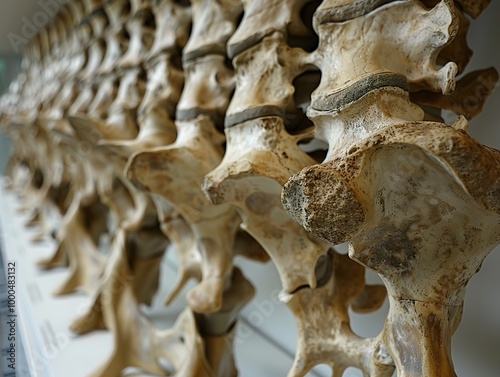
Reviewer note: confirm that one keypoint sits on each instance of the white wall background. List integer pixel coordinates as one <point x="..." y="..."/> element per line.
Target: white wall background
<point x="11" y="68"/>
<point x="4" y="151"/>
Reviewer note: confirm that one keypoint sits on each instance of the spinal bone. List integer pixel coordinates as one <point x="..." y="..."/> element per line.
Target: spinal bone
<point x="417" y="200"/>
<point x="424" y="225"/>
<point x="176" y="171"/>
<point x="260" y="154"/>
<point x="322" y="319"/>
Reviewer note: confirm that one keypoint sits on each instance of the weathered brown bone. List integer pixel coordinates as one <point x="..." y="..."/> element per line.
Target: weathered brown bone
<point x="410" y="224"/>
<point x="392" y="221"/>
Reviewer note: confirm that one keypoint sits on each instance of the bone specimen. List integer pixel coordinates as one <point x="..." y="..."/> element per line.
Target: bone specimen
<point x="111" y="311"/>
<point x="116" y="121"/>
<point x="429" y="218"/>
<point x="172" y="23"/>
<point x="129" y="208"/>
<point x="164" y="79"/>
<point x="141" y="28"/>
<point x="323" y="323"/>
<point x="176" y="171"/>
<point x="254" y="169"/>
<point x="75" y="241"/>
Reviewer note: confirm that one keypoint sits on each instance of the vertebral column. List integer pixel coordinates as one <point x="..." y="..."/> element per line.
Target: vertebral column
<point x="411" y="197"/>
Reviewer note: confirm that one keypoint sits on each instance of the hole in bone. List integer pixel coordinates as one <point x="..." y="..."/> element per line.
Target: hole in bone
<point x="142" y="75"/>
<point x="297" y="123"/>
<point x="449" y="116"/>
<point x="352" y="372"/>
<point x="176" y="62"/>
<point x="148" y="19"/>
<point x="184" y="3"/>
<point x="125" y="9"/>
<point x="342" y="248"/>
<point x="166" y="365"/>
<point x="315" y="148"/>
<point x="372" y="277"/>
<point x="104" y="17"/>
<point x="38" y="178"/>
<point x="369" y="324"/>
<point x="432" y="113"/>
<point x="135" y="372"/>
<point x="320" y="370"/>
<point x="123" y="35"/>
<point x="323" y="269"/>
<point x="310" y="42"/>
<point x="355" y="372"/>
<point x="304" y="85"/>
<point x="130" y="371"/>
<point x="441" y="62"/>
<point x="312" y="145"/>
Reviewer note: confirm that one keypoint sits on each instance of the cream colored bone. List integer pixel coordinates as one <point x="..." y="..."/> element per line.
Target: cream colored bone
<point x="116" y="36"/>
<point x="140" y="27"/>
<point x="205" y="75"/>
<point x="280" y="15"/>
<point x="134" y="337"/>
<point x="252" y="183"/>
<point x="121" y="121"/>
<point x="410" y="224"/>
<point x="189" y="257"/>
<point x="185" y="349"/>
<point x="361" y="39"/>
<point x="85" y="262"/>
<point x="180" y="234"/>
<point x="175" y="172"/>
<point x="261" y="155"/>
<point x="418" y="201"/>
<point x="322" y="319"/>
<point x="117" y="11"/>
<point x="106" y="93"/>
<point x="213" y="24"/>
<point x="92" y="5"/>
<point x="76" y="242"/>
<point x="164" y="79"/>
<point x="424" y="225"/>
<point x="157" y="108"/>
<point x="479" y="83"/>
<point x="172" y="27"/>
<point x="130" y="208"/>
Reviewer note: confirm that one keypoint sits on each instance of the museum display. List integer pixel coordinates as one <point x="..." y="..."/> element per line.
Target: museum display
<point x="268" y="130"/>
